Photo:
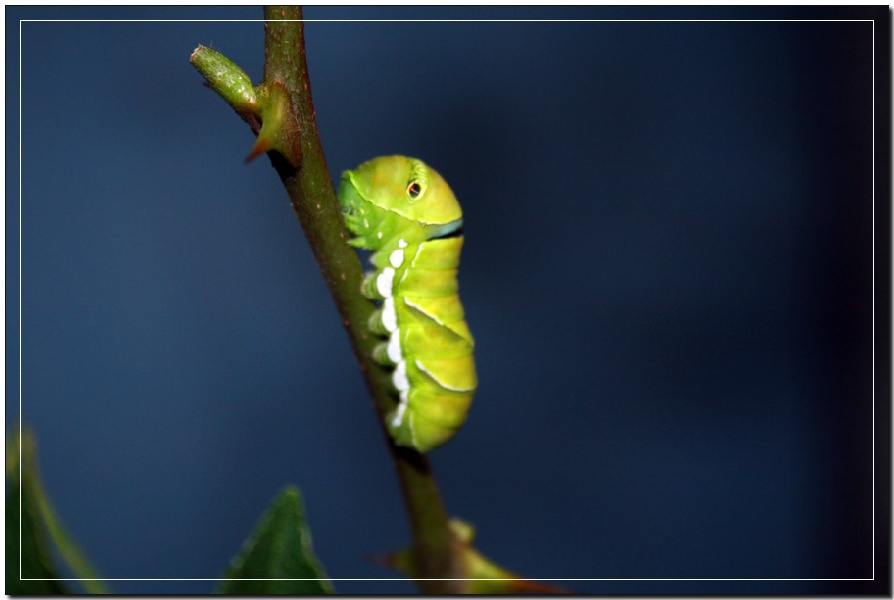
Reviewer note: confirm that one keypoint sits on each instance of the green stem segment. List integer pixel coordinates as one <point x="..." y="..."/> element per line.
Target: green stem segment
<point x="297" y="155"/>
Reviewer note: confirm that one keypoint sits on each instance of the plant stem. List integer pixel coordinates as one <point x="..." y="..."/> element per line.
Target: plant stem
<point x="302" y="168"/>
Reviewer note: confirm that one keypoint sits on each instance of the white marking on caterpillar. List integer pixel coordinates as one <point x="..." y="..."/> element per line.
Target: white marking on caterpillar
<point x="394" y="352"/>
<point x="365" y="223"/>
<point x="401" y="409"/>
<point x="399" y="377"/>
<point x="441" y="383"/>
<point x="385" y="282"/>
<point x="401" y="243"/>
<point x="397" y="258"/>
<point x="379" y="234"/>
<point x="389" y="315"/>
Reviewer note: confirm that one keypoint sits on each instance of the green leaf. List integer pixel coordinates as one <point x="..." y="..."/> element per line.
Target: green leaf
<point x="42" y="531"/>
<point x="37" y="569"/>
<point x="278" y="558"/>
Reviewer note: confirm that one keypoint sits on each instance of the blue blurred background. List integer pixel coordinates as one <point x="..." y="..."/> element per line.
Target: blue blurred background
<point x="668" y="271"/>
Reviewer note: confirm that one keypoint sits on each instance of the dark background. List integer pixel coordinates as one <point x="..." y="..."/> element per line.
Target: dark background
<point x="668" y="272"/>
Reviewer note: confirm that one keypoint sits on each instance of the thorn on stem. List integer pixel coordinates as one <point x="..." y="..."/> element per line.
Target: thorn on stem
<point x="262" y="146"/>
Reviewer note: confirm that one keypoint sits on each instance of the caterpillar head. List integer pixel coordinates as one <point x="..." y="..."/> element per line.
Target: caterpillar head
<point x="396" y="192"/>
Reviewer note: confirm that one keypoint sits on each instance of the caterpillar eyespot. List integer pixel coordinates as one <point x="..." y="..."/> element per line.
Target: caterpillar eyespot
<point x="411" y="221"/>
<point x="415" y="189"/>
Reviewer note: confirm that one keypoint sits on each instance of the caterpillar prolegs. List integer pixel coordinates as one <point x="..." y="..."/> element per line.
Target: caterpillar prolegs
<point x="404" y="212"/>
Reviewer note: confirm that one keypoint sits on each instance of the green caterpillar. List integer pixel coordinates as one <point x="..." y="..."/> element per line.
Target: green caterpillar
<point x="406" y="214"/>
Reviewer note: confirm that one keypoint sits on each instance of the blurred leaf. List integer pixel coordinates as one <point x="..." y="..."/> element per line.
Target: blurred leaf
<point x="37" y="567"/>
<point x="278" y="558"/>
